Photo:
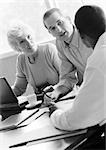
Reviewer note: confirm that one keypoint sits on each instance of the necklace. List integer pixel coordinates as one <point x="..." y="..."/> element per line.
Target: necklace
<point x="33" y="58"/>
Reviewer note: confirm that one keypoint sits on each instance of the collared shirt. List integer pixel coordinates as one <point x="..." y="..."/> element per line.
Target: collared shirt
<point x="44" y="72"/>
<point x="89" y="106"/>
<point x="74" y="58"/>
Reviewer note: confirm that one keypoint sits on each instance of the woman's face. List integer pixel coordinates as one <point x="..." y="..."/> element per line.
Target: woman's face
<point x="26" y="45"/>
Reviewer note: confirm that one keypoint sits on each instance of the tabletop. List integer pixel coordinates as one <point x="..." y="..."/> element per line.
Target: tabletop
<point x="36" y="128"/>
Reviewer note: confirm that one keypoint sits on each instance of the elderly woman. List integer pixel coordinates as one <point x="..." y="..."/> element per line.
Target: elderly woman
<point x="37" y="65"/>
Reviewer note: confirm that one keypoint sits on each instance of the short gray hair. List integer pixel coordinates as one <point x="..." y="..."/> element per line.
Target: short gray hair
<point x="50" y="12"/>
<point x="18" y="31"/>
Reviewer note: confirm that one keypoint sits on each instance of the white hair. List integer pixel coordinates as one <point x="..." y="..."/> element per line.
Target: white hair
<point x="18" y="30"/>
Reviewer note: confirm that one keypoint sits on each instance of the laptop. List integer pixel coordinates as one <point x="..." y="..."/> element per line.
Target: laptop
<point x="8" y="101"/>
<point x="11" y="111"/>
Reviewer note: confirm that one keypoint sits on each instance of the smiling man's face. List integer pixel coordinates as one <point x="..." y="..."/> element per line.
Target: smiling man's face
<point x="59" y="26"/>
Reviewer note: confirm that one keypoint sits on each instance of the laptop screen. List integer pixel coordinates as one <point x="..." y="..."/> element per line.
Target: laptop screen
<point x="7" y="96"/>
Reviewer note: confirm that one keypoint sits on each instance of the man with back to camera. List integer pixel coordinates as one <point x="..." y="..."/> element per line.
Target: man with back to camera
<point x="89" y="106"/>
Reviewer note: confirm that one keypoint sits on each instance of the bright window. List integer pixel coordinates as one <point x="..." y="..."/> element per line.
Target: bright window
<point x="101" y="3"/>
<point x="69" y="7"/>
<point x="28" y="11"/>
<point x="31" y="12"/>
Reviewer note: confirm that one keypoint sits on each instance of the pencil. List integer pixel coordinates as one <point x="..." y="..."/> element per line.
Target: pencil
<point x="12" y="127"/>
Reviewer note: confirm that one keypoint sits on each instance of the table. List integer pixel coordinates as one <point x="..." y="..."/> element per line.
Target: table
<point x="35" y="129"/>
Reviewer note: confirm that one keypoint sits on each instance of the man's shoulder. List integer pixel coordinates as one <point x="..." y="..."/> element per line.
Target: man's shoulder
<point x="60" y="45"/>
<point x="47" y="47"/>
<point x="50" y="45"/>
<point x="59" y="42"/>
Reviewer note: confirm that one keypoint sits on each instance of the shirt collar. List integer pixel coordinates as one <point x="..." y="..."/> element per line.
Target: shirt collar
<point x="74" y="40"/>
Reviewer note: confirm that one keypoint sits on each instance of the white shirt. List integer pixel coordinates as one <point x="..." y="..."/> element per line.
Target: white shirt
<point x="89" y="107"/>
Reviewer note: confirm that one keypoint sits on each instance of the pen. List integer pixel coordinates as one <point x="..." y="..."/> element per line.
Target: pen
<point x="12" y="127"/>
<point x="61" y="99"/>
<point x="24" y="143"/>
<point x="28" y="117"/>
<point x="44" y="139"/>
<point x="46" y="95"/>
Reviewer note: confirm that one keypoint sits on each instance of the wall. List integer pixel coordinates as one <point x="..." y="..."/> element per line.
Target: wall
<point x="8" y="68"/>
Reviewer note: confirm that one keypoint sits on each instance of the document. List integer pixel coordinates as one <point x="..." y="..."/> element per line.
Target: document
<point x="42" y="130"/>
